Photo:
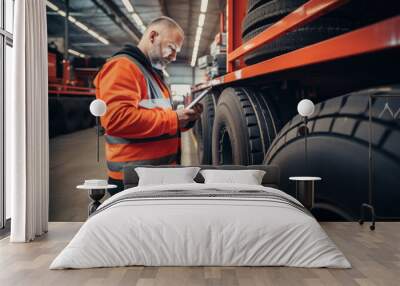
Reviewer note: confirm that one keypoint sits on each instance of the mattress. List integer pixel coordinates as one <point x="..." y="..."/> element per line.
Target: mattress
<point x="201" y="225"/>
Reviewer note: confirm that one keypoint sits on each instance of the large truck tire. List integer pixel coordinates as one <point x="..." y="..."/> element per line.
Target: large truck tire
<point x="301" y="37"/>
<point x="263" y="13"/>
<point x="245" y="125"/>
<point x="204" y="128"/>
<point x="338" y="152"/>
<point x="268" y="13"/>
<point x="253" y="4"/>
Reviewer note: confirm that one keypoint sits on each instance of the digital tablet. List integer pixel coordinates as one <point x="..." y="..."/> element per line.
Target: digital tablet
<point x="198" y="98"/>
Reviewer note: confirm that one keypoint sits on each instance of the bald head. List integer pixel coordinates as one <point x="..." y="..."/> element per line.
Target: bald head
<point x="164" y="23"/>
<point x="161" y="41"/>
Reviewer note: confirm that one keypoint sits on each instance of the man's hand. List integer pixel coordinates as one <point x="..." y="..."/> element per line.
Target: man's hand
<point x="198" y="108"/>
<point x="187" y="115"/>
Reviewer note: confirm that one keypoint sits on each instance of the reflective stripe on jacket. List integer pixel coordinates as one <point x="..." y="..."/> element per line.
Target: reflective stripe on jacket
<point x="141" y="127"/>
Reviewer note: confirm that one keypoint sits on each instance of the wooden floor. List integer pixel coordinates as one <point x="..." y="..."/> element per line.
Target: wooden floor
<point x="375" y="257"/>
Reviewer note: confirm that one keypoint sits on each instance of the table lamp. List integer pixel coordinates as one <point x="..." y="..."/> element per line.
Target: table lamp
<point x="98" y="108"/>
<point x="305" y="108"/>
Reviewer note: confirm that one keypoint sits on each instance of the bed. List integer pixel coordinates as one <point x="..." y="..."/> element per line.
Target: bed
<point x="197" y="224"/>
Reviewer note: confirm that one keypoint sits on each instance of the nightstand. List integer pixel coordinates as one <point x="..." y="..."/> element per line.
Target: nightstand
<point x="305" y="190"/>
<point x="96" y="192"/>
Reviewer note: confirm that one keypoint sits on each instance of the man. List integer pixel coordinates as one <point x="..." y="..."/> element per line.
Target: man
<point x="141" y="127"/>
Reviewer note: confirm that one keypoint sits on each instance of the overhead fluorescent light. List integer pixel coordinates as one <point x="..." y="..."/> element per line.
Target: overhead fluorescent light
<point x="93" y="33"/>
<point x="135" y="16"/>
<point x="203" y="6"/>
<point x="78" y="23"/>
<point x="103" y="40"/>
<point x="72" y="19"/>
<point x="139" y="22"/>
<point x="202" y="19"/>
<point x="82" y="26"/>
<point x="143" y="28"/>
<point x="199" y="31"/>
<point x="52" y="6"/>
<point x="75" y="53"/>
<point x="194" y="59"/>
<point x="194" y="55"/>
<point x="198" y="34"/>
<point x="128" y="6"/>
<point x="62" y="13"/>
<point x="137" y="19"/>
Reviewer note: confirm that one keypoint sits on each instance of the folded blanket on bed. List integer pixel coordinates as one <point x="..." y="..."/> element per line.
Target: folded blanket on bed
<point x="205" y="194"/>
<point x="201" y="224"/>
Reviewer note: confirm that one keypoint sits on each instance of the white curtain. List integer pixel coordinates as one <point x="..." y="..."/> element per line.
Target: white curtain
<point x="27" y="142"/>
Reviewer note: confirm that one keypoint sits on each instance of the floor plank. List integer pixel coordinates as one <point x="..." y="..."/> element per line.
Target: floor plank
<point x="375" y="257"/>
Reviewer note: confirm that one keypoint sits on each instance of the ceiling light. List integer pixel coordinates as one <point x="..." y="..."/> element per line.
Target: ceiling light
<point x="82" y="26"/>
<point x="75" y="53"/>
<point x="194" y="55"/>
<point x="93" y="33"/>
<point x="103" y="40"/>
<point x="202" y="19"/>
<point x="71" y="19"/>
<point x="199" y="30"/>
<point x="62" y="13"/>
<point x="78" y="23"/>
<point x="52" y="6"/>
<point x="142" y="28"/>
<point x="193" y="63"/>
<point x="203" y="7"/>
<point x="198" y="33"/>
<point x="128" y="6"/>
<point x="137" y="19"/>
<point x="198" y="37"/>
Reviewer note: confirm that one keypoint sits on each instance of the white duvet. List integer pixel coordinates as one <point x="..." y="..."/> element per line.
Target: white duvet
<point x="185" y="231"/>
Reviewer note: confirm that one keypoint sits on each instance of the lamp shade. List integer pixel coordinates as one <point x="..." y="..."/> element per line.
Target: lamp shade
<point x="98" y="107"/>
<point x="305" y="107"/>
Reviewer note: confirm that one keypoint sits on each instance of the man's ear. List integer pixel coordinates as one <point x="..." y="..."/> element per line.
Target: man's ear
<point x="153" y="34"/>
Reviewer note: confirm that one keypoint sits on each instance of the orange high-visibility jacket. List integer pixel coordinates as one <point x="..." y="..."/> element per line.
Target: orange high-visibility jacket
<point x="141" y="127"/>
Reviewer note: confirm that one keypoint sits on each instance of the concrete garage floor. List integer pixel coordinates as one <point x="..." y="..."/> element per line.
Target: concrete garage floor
<point x="73" y="159"/>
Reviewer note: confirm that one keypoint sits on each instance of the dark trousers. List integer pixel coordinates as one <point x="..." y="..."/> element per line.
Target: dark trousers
<point x="119" y="188"/>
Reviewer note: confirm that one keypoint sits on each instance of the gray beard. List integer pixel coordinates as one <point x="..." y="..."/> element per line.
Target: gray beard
<point x="157" y="64"/>
<point x="156" y="60"/>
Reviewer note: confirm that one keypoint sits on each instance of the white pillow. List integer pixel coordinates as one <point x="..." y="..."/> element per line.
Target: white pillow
<point x="164" y="176"/>
<point x="248" y="177"/>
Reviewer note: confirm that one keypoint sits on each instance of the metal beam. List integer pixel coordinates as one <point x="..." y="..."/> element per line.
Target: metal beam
<point x="66" y="30"/>
<point x="113" y="11"/>
<point x="384" y="35"/>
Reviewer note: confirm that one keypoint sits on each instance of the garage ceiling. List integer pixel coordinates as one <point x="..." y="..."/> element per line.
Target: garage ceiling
<point x="111" y="20"/>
